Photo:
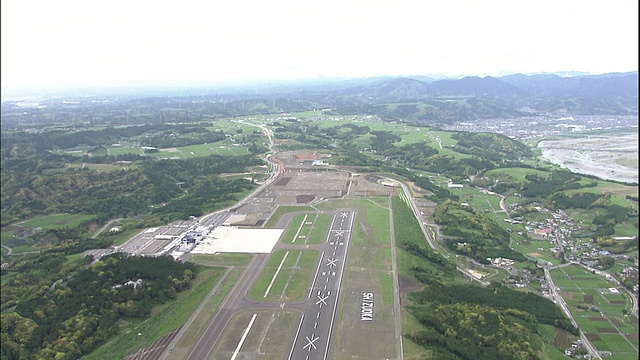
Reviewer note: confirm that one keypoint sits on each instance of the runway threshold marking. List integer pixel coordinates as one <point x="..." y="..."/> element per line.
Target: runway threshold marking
<point x="273" y="279"/>
<point x="244" y="336"/>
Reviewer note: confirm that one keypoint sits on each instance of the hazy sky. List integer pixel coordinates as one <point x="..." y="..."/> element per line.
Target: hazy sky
<point x="66" y="42"/>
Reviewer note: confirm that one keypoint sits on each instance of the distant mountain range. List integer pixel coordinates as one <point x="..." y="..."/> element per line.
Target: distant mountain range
<point x="614" y="93"/>
<point x="607" y="86"/>
<point x="427" y="99"/>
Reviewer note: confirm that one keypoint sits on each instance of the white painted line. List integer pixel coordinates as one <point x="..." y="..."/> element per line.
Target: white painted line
<point x="244" y="336"/>
<point x="315" y="326"/>
<point x="296" y="338"/>
<point x="315" y="277"/>
<point x="335" y="303"/>
<point x="300" y="228"/>
<point x="276" y="274"/>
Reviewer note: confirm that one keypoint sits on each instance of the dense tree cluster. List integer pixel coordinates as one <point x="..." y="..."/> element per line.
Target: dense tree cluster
<point x="471" y="233"/>
<point x="28" y="193"/>
<point x="77" y="313"/>
<point x="494" y="147"/>
<point x="428" y="263"/>
<point x="472" y="322"/>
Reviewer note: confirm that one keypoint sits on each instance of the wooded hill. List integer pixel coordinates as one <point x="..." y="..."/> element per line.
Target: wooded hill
<point x="402" y="99"/>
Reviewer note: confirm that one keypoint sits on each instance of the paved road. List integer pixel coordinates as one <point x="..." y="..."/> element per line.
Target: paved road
<point x="313" y="338"/>
<point x="9" y="250"/>
<point x="207" y="341"/>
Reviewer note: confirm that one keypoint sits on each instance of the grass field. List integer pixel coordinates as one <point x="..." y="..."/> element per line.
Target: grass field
<point x="281" y="210"/>
<point x="265" y="336"/>
<point x="201" y="150"/>
<point x="56" y="221"/>
<point x="307" y="229"/>
<point x="222" y="259"/>
<point x="368" y="270"/>
<point x="286" y="276"/>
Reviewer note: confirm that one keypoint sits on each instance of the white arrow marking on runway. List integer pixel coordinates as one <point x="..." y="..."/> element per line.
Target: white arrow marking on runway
<point x="322" y="300"/>
<point x="311" y="342"/>
<point x="332" y="262"/>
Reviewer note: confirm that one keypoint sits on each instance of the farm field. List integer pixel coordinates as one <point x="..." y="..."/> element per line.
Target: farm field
<point x="597" y="305"/>
<point x="539" y="249"/>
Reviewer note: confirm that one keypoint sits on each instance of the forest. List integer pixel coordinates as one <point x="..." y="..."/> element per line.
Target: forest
<point x="473" y="322"/>
<point x="469" y="232"/>
<point x="65" y="313"/>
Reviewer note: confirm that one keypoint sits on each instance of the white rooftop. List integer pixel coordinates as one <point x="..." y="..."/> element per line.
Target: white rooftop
<point x="232" y="239"/>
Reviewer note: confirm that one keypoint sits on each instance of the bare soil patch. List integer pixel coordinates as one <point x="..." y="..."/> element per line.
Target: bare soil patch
<point x="303" y="199"/>
<point x="632" y="337"/>
<point x="282" y="181"/>
<point x="592" y="337"/>
<point x="607" y="330"/>
<point x="562" y="339"/>
<point x="615" y="322"/>
<point x="566" y="294"/>
<point x="588" y="299"/>
<point x="407" y="285"/>
<point x="596" y="318"/>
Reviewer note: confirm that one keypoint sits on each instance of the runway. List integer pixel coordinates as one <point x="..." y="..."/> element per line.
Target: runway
<point x="313" y="337"/>
<point x="318" y="311"/>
